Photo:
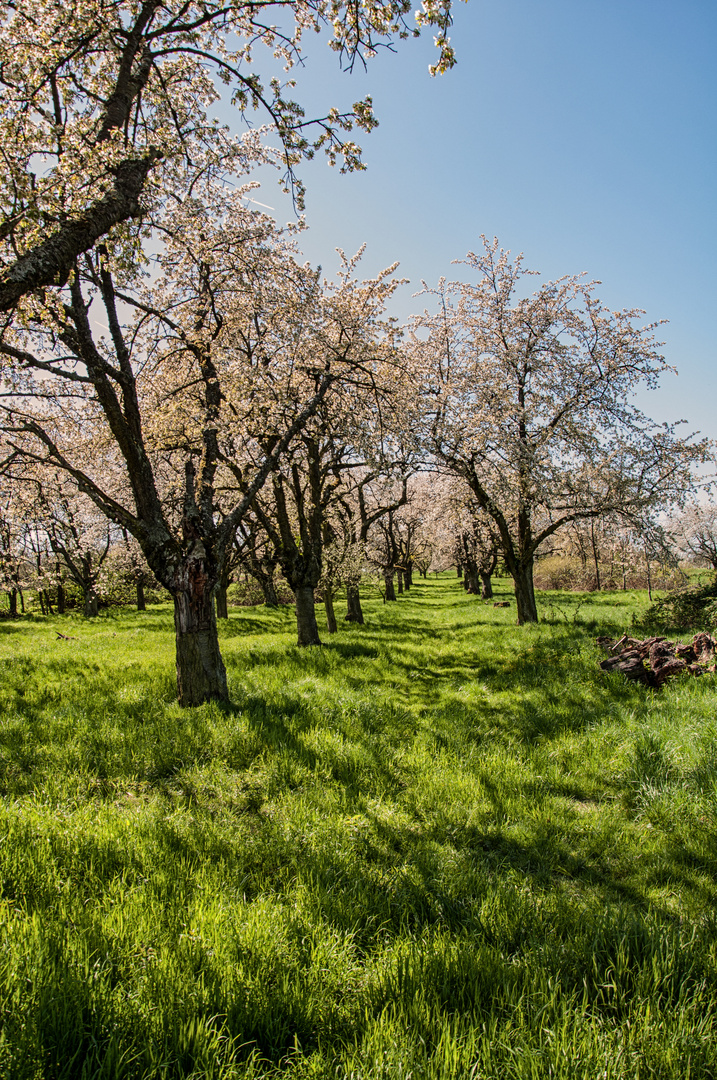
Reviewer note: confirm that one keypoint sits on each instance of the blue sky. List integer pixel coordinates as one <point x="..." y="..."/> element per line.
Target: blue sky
<point x="583" y="134"/>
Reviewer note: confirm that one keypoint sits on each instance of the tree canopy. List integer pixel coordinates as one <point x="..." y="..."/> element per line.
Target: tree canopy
<point x="528" y="398"/>
<point x="104" y="100"/>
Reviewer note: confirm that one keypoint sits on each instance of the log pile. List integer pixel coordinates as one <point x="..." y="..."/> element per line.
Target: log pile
<point x="654" y="660"/>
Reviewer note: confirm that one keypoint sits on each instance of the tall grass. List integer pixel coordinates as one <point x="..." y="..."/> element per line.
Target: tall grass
<point x="439" y="846"/>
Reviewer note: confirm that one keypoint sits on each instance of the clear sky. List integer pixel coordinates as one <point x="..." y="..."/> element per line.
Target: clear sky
<point x="581" y="133"/>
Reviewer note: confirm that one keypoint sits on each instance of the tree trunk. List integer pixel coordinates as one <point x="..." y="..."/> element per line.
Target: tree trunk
<point x="201" y="675"/>
<point x="308" y="631"/>
<point x="388" y="581"/>
<point x="596" y="558"/>
<point x="90" y="605"/>
<point x="60" y="599"/>
<point x="473" y="580"/>
<point x="222" y="606"/>
<point x="459" y="570"/>
<point x="524" y="593"/>
<point x="486" y="586"/>
<point x="22" y="600"/>
<point x="269" y="590"/>
<point x="141" y="602"/>
<point x="48" y="601"/>
<point x="12" y="599"/>
<point x="408" y="577"/>
<point x="330" y="613"/>
<point x="399" y="576"/>
<point x="354" y="612"/>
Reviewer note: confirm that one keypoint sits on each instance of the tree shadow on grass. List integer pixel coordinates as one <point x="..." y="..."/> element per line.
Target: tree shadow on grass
<point x="245" y="627"/>
<point x="352" y="650"/>
<point x="407" y="883"/>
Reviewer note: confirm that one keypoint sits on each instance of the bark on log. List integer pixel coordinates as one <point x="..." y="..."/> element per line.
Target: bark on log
<point x="653" y="661"/>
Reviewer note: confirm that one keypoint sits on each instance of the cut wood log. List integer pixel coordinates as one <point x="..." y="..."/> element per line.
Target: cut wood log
<point x="630" y="664"/>
<point x="655" y="660"/>
<point x="704" y="648"/>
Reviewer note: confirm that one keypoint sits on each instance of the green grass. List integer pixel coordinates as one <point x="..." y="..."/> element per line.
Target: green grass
<point x="439" y="846"/>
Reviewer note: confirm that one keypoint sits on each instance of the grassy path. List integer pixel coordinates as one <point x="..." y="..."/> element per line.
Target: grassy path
<point x="439" y="846"/>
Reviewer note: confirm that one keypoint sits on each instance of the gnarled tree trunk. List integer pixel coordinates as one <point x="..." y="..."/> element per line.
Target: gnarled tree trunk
<point x="141" y="602"/>
<point x="90" y="603"/>
<point x="486" y="585"/>
<point x="201" y="675"/>
<point x="308" y="631"/>
<point x="522" y="575"/>
<point x="388" y="583"/>
<point x="354" y="612"/>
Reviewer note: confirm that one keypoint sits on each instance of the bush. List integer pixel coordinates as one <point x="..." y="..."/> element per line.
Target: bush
<point x="565" y="573"/>
<point x="690" y="608"/>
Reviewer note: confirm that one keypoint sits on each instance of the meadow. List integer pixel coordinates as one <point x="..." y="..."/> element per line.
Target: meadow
<point x="439" y="846"/>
